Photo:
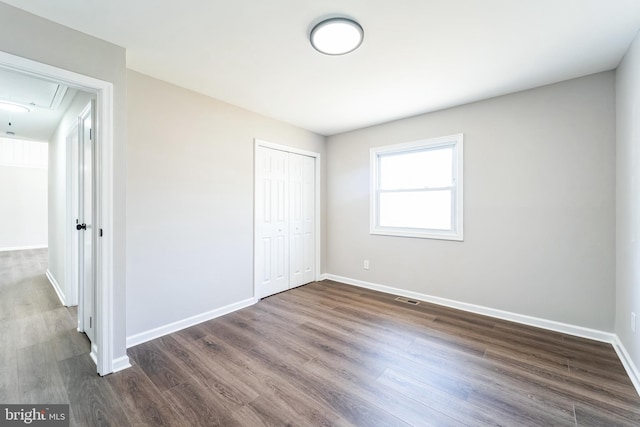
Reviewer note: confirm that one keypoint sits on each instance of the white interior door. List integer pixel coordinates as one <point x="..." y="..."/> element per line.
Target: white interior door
<point x="302" y="224"/>
<point x="308" y="219"/>
<point x="296" y="219"/>
<point x="85" y="223"/>
<point x="272" y="219"/>
<point x="285" y="220"/>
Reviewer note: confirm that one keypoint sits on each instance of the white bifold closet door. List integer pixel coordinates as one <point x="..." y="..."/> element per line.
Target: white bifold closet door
<point x="285" y="220"/>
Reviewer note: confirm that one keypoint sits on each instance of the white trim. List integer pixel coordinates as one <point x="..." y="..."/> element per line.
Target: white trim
<point x="94" y="353"/>
<point x="456" y="143"/>
<point x="56" y="287"/>
<point x="120" y="364"/>
<point x="565" y="328"/>
<point x="23" y="248"/>
<point x="105" y="221"/>
<point x="627" y="362"/>
<point x="170" y="328"/>
<point x="318" y="215"/>
<point x="104" y="133"/>
<point x="551" y="325"/>
<point x="318" y="201"/>
<point x="285" y="148"/>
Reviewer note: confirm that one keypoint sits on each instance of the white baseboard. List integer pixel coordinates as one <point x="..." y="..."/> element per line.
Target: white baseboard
<point x="136" y="339"/>
<point x="56" y="287"/>
<point x="579" y="331"/>
<point x="627" y="362"/>
<point x="22" y="248"/>
<point x="120" y="364"/>
<point x="94" y="353"/>
<point x="552" y="325"/>
<point x="322" y="277"/>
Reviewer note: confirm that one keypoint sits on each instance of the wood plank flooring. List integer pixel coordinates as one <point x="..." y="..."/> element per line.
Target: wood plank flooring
<point x="325" y="354"/>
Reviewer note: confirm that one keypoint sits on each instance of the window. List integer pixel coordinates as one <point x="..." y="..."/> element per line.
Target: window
<point x="30" y="154"/>
<point x="416" y="189"/>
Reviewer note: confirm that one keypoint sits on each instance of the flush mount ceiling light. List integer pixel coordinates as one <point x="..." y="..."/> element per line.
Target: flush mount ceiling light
<point x="336" y="36"/>
<point x="14" y="108"/>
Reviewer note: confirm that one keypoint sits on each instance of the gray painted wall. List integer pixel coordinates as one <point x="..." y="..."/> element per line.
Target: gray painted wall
<point x="190" y="200"/>
<point x="628" y="199"/>
<point x="539" y="187"/>
<point x="31" y="37"/>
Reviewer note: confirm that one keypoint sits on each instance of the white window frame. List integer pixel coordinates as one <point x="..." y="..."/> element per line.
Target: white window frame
<point x="456" y="233"/>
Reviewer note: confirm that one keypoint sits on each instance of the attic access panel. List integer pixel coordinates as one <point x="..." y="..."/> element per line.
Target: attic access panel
<point x="27" y="90"/>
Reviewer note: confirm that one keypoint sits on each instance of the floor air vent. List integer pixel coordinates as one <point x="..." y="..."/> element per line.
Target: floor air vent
<point x="408" y="301"/>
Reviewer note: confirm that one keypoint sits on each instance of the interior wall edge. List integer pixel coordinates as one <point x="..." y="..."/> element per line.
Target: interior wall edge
<point x="170" y="328"/>
<point x="627" y="362"/>
<point x="120" y="364"/>
<point x="56" y="287"/>
<point x="551" y="325"/>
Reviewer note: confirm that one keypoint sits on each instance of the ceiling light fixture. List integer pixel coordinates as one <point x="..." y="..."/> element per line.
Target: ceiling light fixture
<point x="14" y="108"/>
<point x="336" y="36"/>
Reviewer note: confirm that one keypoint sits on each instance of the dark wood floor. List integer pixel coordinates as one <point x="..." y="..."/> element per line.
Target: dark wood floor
<point x="323" y="354"/>
<point x="37" y="334"/>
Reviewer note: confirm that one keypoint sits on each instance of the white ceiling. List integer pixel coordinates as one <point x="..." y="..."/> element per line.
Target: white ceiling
<point x="417" y="56"/>
<point x="46" y="100"/>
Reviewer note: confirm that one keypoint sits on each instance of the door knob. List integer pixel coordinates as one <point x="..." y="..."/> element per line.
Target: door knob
<point x="81" y="227"/>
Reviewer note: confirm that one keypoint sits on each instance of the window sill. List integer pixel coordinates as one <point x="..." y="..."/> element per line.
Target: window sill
<point x="431" y="234"/>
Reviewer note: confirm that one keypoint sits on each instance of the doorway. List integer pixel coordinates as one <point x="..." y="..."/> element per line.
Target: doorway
<point x="102" y="248"/>
<point x="287" y="217"/>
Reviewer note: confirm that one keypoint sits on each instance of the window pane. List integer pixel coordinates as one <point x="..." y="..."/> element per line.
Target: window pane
<point x="416" y="170"/>
<point x="419" y="209"/>
<point x="14" y="152"/>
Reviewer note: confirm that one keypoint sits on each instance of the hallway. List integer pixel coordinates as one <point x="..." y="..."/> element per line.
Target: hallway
<point x="38" y="335"/>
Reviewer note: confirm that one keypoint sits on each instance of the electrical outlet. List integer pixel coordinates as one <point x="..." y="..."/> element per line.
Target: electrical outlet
<point x="366" y="264"/>
<point x="633" y="322"/>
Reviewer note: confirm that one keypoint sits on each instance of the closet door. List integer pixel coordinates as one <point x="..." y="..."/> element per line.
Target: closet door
<point x="272" y="221"/>
<point x="308" y="219"/>
<point x="296" y="235"/>
<point x="285" y="220"/>
<point x="301" y="219"/>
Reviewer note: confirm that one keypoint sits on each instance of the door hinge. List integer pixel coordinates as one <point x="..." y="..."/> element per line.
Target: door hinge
<point x="90" y="322"/>
<point x="101" y="232"/>
<point x="90" y="134"/>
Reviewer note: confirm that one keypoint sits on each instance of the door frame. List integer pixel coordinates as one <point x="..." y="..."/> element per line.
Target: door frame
<point x="104" y="192"/>
<point x="318" y="210"/>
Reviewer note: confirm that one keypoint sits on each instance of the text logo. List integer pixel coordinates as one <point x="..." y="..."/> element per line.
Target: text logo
<point x="34" y="415"/>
